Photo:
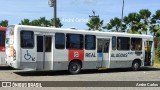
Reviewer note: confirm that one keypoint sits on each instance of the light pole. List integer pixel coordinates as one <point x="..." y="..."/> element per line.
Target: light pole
<point x="122" y="14"/>
<point x="53" y="3"/>
<point x="55" y="12"/>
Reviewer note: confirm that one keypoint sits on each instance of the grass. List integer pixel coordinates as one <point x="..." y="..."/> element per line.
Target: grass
<point x="156" y="62"/>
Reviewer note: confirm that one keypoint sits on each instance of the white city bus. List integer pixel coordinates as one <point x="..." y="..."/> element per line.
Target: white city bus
<point x="46" y="48"/>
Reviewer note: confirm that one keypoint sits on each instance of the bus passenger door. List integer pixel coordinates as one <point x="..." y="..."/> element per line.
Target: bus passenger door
<point x="148" y="53"/>
<point x="27" y="50"/>
<point x="44" y="52"/>
<point x="103" y="53"/>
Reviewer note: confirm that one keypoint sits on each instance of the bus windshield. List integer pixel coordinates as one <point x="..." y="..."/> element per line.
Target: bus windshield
<point x="9" y="35"/>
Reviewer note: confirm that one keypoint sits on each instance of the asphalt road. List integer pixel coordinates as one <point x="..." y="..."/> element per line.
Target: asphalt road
<point x="145" y="74"/>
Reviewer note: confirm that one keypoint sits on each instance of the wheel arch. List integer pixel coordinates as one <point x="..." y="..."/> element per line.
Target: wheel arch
<point x="76" y="60"/>
<point x="137" y="60"/>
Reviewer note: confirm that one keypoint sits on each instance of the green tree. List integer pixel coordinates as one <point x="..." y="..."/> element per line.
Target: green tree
<point x="58" y="22"/>
<point x="145" y="14"/>
<point x="155" y="30"/>
<point x="155" y="27"/>
<point x="115" y="25"/>
<point x="95" y="23"/>
<point x="155" y="21"/>
<point x="25" y="22"/>
<point x="36" y="23"/>
<point x="133" y="23"/>
<point x="42" y="21"/>
<point x="4" y="23"/>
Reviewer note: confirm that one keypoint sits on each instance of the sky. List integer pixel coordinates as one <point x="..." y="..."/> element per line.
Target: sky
<point x="72" y="13"/>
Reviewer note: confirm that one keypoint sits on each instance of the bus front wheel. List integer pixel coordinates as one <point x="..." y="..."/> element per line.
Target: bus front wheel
<point x="135" y="66"/>
<point x="74" y="67"/>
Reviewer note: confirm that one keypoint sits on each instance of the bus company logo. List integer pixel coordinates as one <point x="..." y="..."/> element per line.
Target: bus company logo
<point x="76" y="54"/>
<point x="6" y="84"/>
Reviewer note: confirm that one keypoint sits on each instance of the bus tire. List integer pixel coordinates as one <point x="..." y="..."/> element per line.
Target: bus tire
<point x="74" y="67"/>
<point x="135" y="66"/>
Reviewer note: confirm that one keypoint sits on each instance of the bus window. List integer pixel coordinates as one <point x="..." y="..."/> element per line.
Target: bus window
<point x="27" y="39"/>
<point x="2" y="38"/>
<point x="100" y="46"/>
<point x="90" y="42"/>
<point x="48" y="43"/>
<point x="136" y="44"/>
<point x="39" y="43"/>
<point x="106" y="46"/>
<point x="123" y="43"/>
<point x="148" y="46"/>
<point x="113" y="43"/>
<point x="74" y="41"/>
<point x="59" y="41"/>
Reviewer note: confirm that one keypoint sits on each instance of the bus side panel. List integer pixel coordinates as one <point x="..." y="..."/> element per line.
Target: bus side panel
<point x="123" y="59"/>
<point x="2" y="58"/>
<point x="28" y="57"/>
<point x="90" y="59"/>
<point x="60" y="61"/>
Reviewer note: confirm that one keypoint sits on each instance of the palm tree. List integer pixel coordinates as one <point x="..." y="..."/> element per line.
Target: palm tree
<point x="36" y="23"/>
<point x="133" y="23"/>
<point x="156" y="17"/>
<point x="58" y="22"/>
<point x="114" y="25"/>
<point x="4" y="23"/>
<point x="145" y="15"/>
<point x="95" y="23"/>
<point x="155" y="28"/>
<point x="42" y="21"/>
<point x="25" y="22"/>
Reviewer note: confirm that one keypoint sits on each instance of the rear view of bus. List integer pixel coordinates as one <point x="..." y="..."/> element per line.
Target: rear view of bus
<point x="10" y="54"/>
<point x="2" y="45"/>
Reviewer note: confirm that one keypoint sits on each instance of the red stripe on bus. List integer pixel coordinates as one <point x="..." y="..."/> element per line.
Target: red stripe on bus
<point x="2" y="29"/>
<point x="76" y="54"/>
<point x="2" y="49"/>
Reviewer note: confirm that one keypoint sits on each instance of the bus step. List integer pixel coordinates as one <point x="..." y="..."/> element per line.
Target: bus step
<point x="102" y="68"/>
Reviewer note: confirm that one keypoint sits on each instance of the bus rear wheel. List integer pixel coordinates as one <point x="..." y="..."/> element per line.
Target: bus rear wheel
<point x="74" y="67"/>
<point x="135" y="66"/>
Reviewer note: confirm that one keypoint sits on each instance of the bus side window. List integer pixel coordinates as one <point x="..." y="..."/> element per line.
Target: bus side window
<point x="74" y="41"/>
<point x="136" y="44"/>
<point x="90" y="42"/>
<point x="59" y="41"/>
<point x="123" y="43"/>
<point x="27" y="39"/>
<point x="113" y="43"/>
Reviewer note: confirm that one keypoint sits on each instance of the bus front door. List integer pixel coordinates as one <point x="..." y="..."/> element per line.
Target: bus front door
<point x="103" y="53"/>
<point x="44" y="52"/>
<point x="148" y="53"/>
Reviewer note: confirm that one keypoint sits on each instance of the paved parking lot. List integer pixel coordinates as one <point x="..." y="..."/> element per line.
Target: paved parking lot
<point x="145" y="74"/>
